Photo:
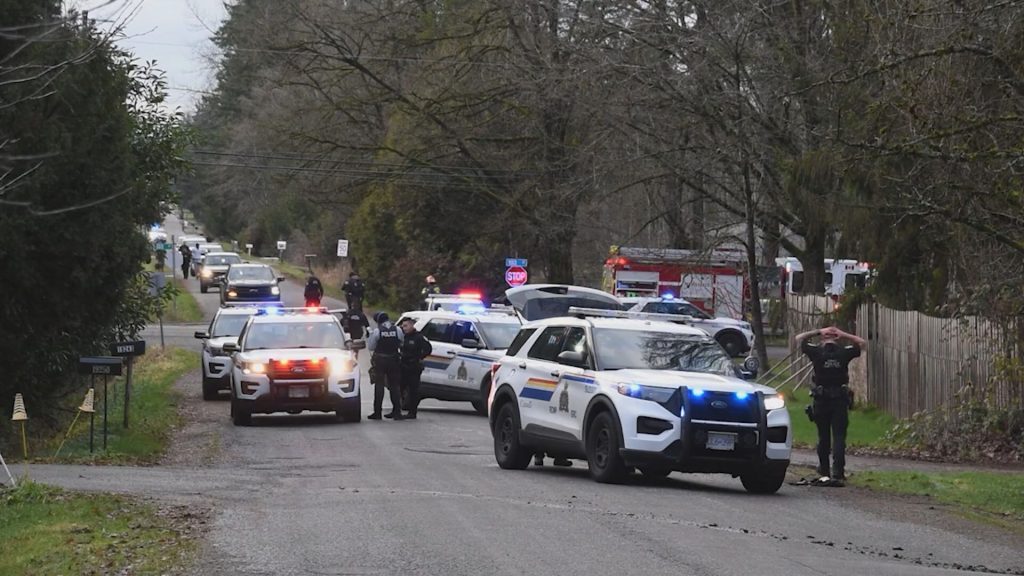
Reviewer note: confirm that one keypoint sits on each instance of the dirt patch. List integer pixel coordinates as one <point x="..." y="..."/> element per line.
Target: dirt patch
<point x="198" y="441"/>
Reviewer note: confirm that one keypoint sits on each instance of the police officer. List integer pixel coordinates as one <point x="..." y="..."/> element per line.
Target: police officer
<point x="832" y="398"/>
<point x="415" y="347"/>
<point x="186" y="260"/>
<point x="355" y="324"/>
<point x="429" y="289"/>
<point x="354" y="290"/>
<point x="314" y="292"/>
<point x="386" y="343"/>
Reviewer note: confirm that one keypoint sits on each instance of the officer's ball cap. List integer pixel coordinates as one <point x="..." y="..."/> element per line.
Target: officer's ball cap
<point x="380" y="317"/>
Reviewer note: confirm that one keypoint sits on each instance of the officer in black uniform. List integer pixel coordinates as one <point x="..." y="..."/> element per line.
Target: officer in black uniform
<point x="832" y="398"/>
<point x="356" y="324"/>
<point x="386" y="343"/>
<point x="415" y="347"/>
<point x="429" y="289"/>
<point x="354" y="290"/>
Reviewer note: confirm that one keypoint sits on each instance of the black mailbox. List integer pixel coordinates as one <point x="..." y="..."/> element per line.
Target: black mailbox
<point x="137" y="348"/>
<point x="100" y="365"/>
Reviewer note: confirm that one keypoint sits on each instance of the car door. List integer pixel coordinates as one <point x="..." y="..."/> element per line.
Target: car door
<point x="435" y="366"/>
<point x="467" y="368"/>
<point x="574" y="385"/>
<point x="538" y="401"/>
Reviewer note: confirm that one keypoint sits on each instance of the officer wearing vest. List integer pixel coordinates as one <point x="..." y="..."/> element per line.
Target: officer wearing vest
<point x="832" y="399"/>
<point x="415" y="347"/>
<point x="385" y="343"/>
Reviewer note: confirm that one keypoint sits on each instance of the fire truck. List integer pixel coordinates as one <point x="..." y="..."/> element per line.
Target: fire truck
<point x="715" y="281"/>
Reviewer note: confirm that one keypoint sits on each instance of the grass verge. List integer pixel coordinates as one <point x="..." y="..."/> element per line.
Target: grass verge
<point x="991" y="496"/>
<point x="48" y="531"/>
<point x="153" y="413"/>
<point x="184" y="309"/>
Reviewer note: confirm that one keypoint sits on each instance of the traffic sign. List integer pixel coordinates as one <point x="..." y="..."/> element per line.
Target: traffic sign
<point x="282" y="245"/>
<point x="516" y="276"/>
<point x="342" y="248"/>
<point x="520" y="262"/>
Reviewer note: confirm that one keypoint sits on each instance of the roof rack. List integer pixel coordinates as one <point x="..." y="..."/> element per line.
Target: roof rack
<point x="599" y="313"/>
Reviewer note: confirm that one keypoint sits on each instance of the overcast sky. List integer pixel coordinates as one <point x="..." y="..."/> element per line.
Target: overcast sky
<point x="175" y="33"/>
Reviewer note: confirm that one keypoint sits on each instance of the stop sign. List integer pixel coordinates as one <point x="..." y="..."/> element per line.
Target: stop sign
<point x="516" y="276"/>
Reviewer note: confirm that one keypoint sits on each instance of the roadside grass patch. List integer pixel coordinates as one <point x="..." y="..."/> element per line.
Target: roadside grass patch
<point x="46" y="530"/>
<point x="184" y="309"/>
<point x="985" y="495"/>
<point x="153" y="414"/>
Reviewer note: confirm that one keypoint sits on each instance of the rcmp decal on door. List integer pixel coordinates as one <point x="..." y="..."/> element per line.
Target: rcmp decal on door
<point x="539" y="389"/>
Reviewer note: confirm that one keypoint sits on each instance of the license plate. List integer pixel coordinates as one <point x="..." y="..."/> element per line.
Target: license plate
<point x="298" y="392"/>
<point x="721" y="441"/>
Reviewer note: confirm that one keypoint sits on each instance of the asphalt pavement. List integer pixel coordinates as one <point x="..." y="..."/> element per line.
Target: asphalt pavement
<point x="307" y="495"/>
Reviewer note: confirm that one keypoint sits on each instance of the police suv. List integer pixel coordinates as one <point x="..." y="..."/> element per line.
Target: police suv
<point x="629" y="390"/>
<point x="290" y="360"/>
<point x="735" y="336"/>
<point x="227" y="324"/>
<point x="465" y="345"/>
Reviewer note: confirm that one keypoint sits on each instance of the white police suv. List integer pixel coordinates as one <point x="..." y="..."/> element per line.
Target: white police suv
<point x="465" y="345"/>
<point x="290" y="360"/>
<point x="227" y="324"/>
<point x="627" y="390"/>
<point x="735" y="336"/>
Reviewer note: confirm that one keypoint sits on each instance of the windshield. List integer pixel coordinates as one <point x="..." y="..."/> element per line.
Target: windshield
<point x="263" y="273"/>
<point x="216" y="260"/>
<point x="498" y="334"/>
<point x="229" y="325"/>
<point x="294" y="335"/>
<point x="620" y="349"/>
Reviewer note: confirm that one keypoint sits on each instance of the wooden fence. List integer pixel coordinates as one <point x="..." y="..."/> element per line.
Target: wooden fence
<point x="916" y="362"/>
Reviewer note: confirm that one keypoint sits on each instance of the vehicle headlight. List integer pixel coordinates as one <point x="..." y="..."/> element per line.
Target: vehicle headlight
<point x="745" y="325"/>
<point x="775" y="402"/>
<point x="347" y="366"/>
<point x="232" y="294"/>
<point x="275" y="290"/>
<point x="652" y="393"/>
<point x="206" y="273"/>
<point x="254" y="368"/>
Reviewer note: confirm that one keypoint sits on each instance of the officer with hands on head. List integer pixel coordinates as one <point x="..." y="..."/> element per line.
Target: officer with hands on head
<point x="385" y="343"/>
<point x="415" y="347"/>
<point x="832" y="397"/>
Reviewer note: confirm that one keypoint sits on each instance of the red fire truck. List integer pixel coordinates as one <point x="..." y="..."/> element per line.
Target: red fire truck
<point x="714" y="281"/>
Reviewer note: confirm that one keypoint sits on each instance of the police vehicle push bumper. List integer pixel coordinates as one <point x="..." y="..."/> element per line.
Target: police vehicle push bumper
<point x="696" y="430"/>
<point x="293" y="385"/>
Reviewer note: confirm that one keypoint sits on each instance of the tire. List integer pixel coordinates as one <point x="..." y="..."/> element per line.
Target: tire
<point x="732" y="343"/>
<point x="603" y="459"/>
<point x="240" y="416"/>
<point x="764" y="480"/>
<point x="508" y="452"/>
<point x="204" y="288"/>
<point x="210" y="391"/>
<point x="480" y="405"/>
<point x="655" y="471"/>
<point x="352" y="411"/>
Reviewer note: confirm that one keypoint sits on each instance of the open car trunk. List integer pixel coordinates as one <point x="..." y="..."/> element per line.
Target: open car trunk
<point x="540" y="301"/>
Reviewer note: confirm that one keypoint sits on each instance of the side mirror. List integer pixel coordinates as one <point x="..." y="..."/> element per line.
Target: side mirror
<point x="230" y="347"/>
<point x="470" y="343"/>
<point x="281" y="278"/>
<point x="571" y="358"/>
<point x="746" y="375"/>
<point x="201" y="335"/>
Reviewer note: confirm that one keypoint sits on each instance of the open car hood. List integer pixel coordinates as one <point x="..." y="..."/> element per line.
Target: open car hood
<point x="540" y="301"/>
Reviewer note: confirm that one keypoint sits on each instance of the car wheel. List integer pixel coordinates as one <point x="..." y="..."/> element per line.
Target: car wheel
<point x="732" y="343"/>
<point x="508" y="452"/>
<point x="655" y="471"/>
<point x="240" y="415"/>
<point x="352" y="411"/>
<point x="204" y="288"/>
<point x="480" y="404"/>
<point x="606" y="466"/>
<point x="764" y="480"/>
<point x="210" y="391"/>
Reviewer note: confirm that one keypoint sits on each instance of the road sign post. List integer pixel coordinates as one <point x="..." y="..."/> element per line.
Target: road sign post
<point x="128" y="350"/>
<point x="342" y="248"/>
<point x="94" y="366"/>
<point x="281" y="247"/>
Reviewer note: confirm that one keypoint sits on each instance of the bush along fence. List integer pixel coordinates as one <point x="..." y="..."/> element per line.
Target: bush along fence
<point x="918" y="363"/>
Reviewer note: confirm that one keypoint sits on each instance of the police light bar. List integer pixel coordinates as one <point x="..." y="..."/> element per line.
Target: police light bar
<point x="275" y="310"/>
<point x="463" y="296"/>
<point x="625" y="314"/>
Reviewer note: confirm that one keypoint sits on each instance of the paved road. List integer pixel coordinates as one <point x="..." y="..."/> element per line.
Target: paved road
<point x="306" y="495"/>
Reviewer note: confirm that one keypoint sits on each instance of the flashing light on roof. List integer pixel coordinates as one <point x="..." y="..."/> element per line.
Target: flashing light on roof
<point x="470" y="295"/>
<point x="668" y="296"/>
<point x="471" y="309"/>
